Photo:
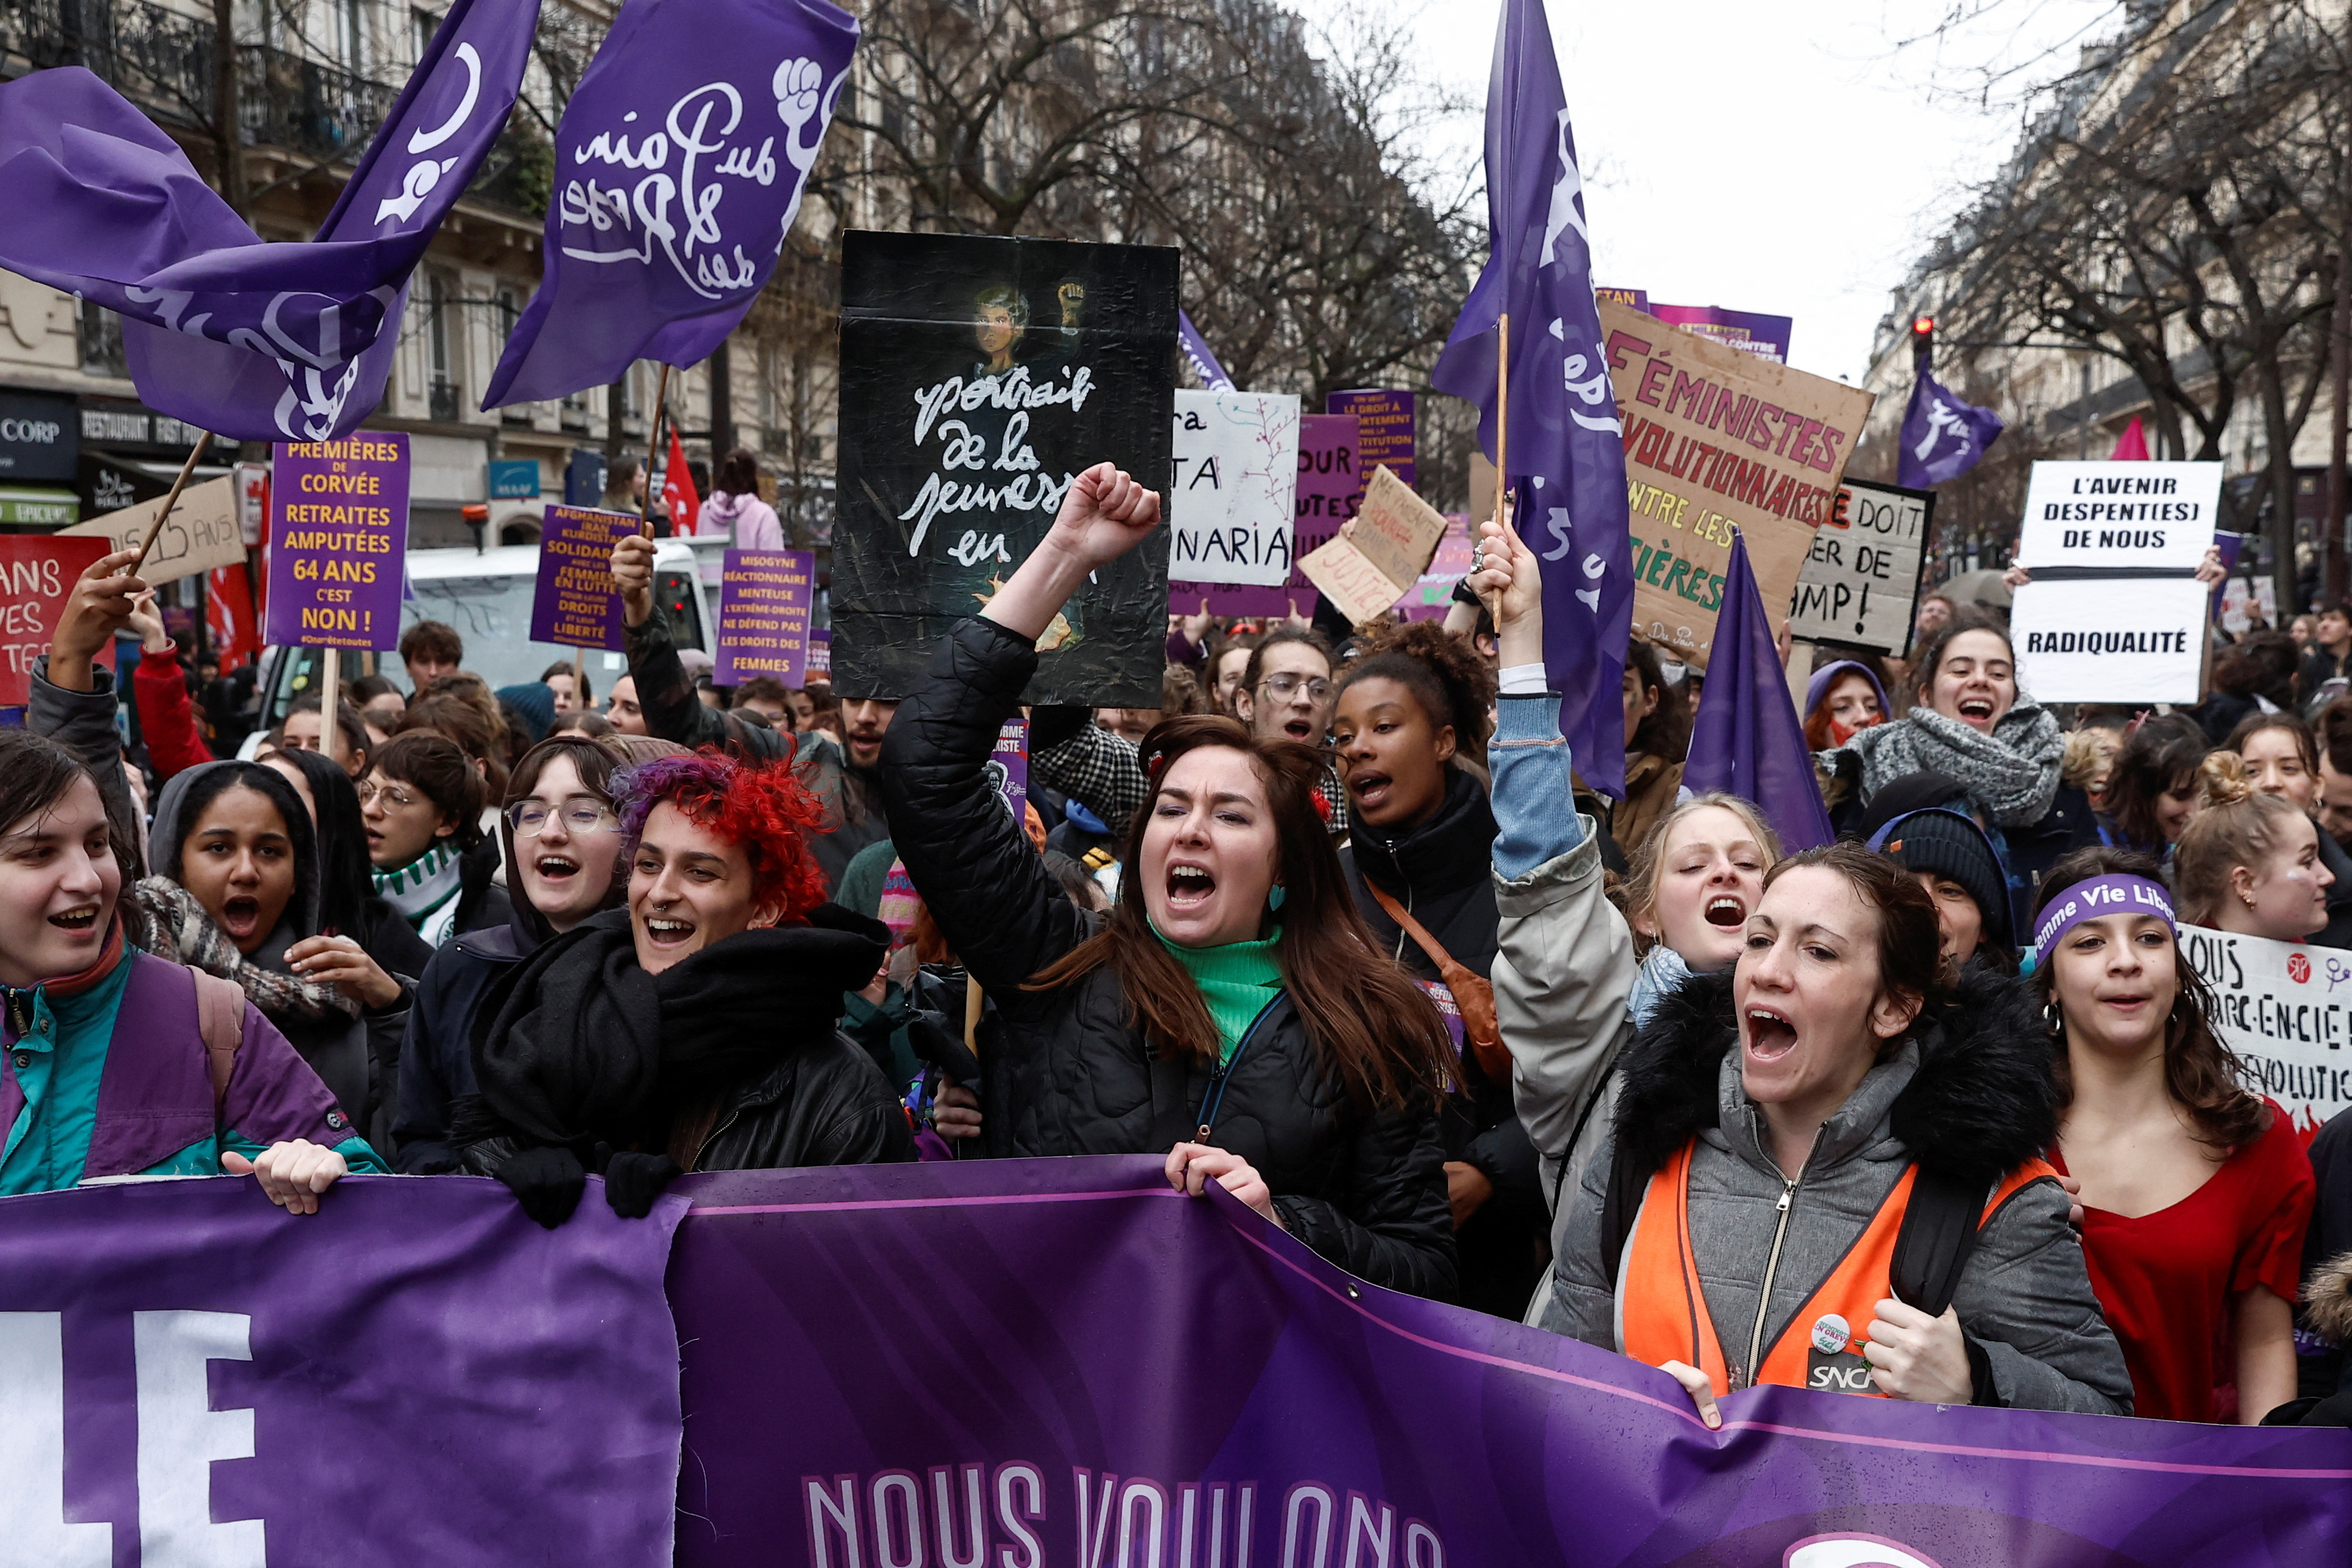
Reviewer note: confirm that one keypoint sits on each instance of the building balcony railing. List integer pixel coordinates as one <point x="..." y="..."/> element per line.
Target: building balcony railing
<point x="447" y="407"/>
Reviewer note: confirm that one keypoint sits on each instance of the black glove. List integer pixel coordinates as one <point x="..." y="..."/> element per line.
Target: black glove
<point x="548" y="1180"/>
<point x="633" y="1181"/>
<point x="933" y="1042"/>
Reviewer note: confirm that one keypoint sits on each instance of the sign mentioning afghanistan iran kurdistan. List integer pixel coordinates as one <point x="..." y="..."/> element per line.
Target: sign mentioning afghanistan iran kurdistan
<point x="1718" y="439"/>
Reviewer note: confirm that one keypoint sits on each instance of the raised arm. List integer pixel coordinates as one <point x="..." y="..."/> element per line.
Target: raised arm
<point x="73" y="700"/>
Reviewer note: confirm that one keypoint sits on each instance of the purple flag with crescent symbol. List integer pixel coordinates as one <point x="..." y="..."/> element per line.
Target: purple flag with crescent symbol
<point x="289" y="342"/>
<point x="679" y="166"/>
<point x="1566" y="452"/>
<point x="1943" y="438"/>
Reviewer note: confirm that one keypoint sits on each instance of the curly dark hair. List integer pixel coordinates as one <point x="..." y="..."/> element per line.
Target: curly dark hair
<point x="2160" y="758"/>
<point x="2202" y="1074"/>
<point x="1446" y="676"/>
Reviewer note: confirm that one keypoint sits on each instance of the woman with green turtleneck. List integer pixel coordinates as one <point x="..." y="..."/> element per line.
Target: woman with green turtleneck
<point x="1232" y="1011"/>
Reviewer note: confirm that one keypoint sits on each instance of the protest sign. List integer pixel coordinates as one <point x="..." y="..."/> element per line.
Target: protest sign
<point x="2133" y="640"/>
<point x="338" y="536"/>
<point x="1380" y="553"/>
<point x="1434" y="594"/>
<point x="1715" y="439"/>
<point x="764" y="599"/>
<point x="1384" y="429"/>
<point x="194" y="1376"/>
<point x="980" y="377"/>
<point x="981" y="1354"/>
<point x="1330" y="488"/>
<point x="1862" y="576"/>
<point x="37" y="576"/>
<point x="2286" y="1010"/>
<point x="575" y="602"/>
<point x="2143" y="516"/>
<point x="1236" y="467"/>
<point x="820" y="654"/>
<point x="202" y="533"/>
<point x="1766" y="336"/>
<point x="1008" y="767"/>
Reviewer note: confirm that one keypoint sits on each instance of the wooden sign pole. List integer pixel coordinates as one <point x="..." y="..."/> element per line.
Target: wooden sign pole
<point x="171" y="499"/>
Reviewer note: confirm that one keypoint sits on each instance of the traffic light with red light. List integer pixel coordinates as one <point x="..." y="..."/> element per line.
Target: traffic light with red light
<point x="1923" y="337"/>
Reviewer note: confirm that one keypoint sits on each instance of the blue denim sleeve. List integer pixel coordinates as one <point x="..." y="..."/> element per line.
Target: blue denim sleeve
<point x="1535" y="801"/>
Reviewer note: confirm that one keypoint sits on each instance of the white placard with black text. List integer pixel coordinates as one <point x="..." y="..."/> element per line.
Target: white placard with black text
<point x="2144" y="516"/>
<point x="1232" y="498"/>
<point x="2131" y="640"/>
<point x="2286" y="1010"/>
<point x="1862" y="572"/>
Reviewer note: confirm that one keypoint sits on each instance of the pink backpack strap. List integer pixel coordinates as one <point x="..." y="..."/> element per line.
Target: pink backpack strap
<point x="220" y="1017"/>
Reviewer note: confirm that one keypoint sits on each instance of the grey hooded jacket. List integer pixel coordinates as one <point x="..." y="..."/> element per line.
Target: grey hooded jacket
<point x="1969" y="1094"/>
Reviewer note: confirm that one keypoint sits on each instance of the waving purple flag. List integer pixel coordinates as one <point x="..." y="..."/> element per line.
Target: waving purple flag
<point x="1746" y="739"/>
<point x="1565" y="451"/>
<point x="1198" y="354"/>
<point x="678" y="170"/>
<point x="1942" y="437"/>
<point x="258" y="341"/>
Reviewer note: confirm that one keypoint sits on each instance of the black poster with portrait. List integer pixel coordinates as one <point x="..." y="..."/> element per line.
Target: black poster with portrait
<point x="980" y="376"/>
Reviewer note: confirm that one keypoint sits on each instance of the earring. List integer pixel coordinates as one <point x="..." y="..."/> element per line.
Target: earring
<point x="1274" y="898"/>
<point x="2052" y="1019"/>
<point x="2247" y="898"/>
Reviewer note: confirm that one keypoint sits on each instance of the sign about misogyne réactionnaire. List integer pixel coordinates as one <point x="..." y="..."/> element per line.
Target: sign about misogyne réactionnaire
<point x="2148" y="517"/>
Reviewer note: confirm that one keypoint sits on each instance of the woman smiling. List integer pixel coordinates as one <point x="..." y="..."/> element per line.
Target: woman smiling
<point x="1231" y="1012"/>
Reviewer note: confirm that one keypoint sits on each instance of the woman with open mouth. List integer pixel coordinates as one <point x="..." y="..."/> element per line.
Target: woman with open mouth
<point x="422" y="802"/>
<point x="117" y="1062"/>
<point x="1970" y="722"/>
<point x="561" y="836"/>
<point x="693" y="1029"/>
<point x="2194" y="1193"/>
<point x="1231" y="1011"/>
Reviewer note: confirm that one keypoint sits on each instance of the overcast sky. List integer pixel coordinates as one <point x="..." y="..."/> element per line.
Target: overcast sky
<point x="1771" y="158"/>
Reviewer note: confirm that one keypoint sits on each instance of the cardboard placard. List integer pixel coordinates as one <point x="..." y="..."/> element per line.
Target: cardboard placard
<point x="338" y="537"/>
<point x="1860" y="578"/>
<point x="201" y="534"/>
<point x="575" y="602"/>
<point x="2286" y="1010"/>
<point x="1331" y="488"/>
<point x="1718" y="439"/>
<point x="1229" y="504"/>
<point x="1380" y="553"/>
<point x="2133" y="640"/>
<point x="1385" y="428"/>
<point x="980" y="377"/>
<point x="2134" y="516"/>
<point x="764" y="599"/>
<point x="37" y="576"/>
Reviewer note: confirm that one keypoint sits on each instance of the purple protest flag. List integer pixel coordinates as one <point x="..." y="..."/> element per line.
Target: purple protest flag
<point x="1747" y="737"/>
<point x="253" y="340"/>
<point x="416" y="1374"/>
<point x="1942" y="437"/>
<point x="679" y="166"/>
<point x="1198" y="356"/>
<point x="1566" y="454"/>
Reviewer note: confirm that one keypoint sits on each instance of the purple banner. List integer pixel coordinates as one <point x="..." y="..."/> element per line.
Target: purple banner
<point x="338" y="537"/>
<point x="1330" y="489"/>
<point x="1766" y="336"/>
<point x="763" y="616"/>
<point x="1197" y="353"/>
<point x="416" y="1374"/>
<point x="575" y="602"/>
<point x="1062" y="1363"/>
<point x="1384" y="429"/>
<point x="1008" y="766"/>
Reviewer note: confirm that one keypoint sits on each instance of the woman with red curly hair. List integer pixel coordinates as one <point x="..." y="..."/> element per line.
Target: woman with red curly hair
<point x="692" y="1030"/>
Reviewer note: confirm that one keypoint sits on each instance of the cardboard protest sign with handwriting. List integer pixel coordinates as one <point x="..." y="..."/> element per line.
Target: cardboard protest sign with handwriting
<point x="1861" y="580"/>
<point x="980" y="377"/>
<point x="1716" y="439"/>
<point x="201" y="533"/>
<point x="1380" y="553"/>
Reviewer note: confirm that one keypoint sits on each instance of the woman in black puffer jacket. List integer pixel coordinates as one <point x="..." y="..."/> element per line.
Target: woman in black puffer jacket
<point x="1231" y="1011"/>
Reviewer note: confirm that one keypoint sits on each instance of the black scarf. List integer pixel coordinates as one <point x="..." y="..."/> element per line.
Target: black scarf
<point x="578" y="1043"/>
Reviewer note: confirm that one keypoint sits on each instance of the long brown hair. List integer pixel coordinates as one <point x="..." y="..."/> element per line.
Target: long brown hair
<point x="1373" y="1026"/>
<point x="2201" y="1073"/>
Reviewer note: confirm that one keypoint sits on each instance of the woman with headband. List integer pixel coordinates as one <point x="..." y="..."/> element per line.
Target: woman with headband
<point x="2194" y="1195"/>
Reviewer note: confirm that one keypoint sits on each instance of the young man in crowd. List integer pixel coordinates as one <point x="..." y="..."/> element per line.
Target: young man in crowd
<point x="2332" y="650"/>
<point x="430" y="649"/>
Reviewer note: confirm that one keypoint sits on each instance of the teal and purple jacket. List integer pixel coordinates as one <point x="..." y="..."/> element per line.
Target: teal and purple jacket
<point x="105" y="1074"/>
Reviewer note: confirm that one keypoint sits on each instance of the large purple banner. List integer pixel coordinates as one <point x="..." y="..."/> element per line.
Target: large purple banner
<point x="415" y="1375"/>
<point x="1060" y="1362"/>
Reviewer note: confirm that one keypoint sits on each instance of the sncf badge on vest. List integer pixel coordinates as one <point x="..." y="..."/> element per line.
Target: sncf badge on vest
<point x="1831" y="1364"/>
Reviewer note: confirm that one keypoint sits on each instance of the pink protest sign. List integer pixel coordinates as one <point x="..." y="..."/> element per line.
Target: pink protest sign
<point x="1330" y="491"/>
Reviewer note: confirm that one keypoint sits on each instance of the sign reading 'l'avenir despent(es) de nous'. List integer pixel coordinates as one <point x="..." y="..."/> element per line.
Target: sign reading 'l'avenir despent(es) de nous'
<point x="2149" y="516"/>
<point x="338" y="535"/>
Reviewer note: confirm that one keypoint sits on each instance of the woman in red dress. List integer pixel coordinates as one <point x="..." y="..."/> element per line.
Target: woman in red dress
<point x="2194" y="1195"/>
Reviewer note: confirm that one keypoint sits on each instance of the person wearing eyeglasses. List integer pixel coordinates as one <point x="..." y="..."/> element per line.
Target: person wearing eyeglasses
<point x="562" y="844"/>
<point x="422" y="805"/>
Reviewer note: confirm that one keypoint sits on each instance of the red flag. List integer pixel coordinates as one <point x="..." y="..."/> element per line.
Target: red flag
<point x="2131" y="446"/>
<point x="678" y="498"/>
<point x="228" y="615"/>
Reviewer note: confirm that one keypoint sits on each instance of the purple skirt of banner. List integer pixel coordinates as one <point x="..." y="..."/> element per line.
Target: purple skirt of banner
<point x="1061" y="1361"/>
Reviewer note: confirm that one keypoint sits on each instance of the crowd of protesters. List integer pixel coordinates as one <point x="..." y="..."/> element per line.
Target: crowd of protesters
<point x="1936" y="1112"/>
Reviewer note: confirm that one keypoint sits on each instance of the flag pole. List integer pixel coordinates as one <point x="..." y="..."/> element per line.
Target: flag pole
<point x="1502" y="409"/>
<point x="331" y="704"/>
<point x="171" y="499"/>
<point x="653" y="444"/>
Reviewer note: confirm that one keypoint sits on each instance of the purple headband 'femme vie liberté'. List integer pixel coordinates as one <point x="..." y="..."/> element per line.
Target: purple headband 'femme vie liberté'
<point x="2110" y="895"/>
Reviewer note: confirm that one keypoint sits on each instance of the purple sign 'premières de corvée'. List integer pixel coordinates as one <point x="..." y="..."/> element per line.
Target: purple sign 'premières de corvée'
<point x="575" y="602"/>
<point x="1330" y="491"/>
<point x="764" y="597"/>
<point x="338" y="535"/>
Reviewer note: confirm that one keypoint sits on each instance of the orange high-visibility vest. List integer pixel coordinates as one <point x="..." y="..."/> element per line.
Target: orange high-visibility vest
<point x="1663" y="1309"/>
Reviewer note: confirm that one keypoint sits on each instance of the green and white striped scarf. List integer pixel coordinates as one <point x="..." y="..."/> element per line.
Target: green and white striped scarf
<point x="425" y="890"/>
